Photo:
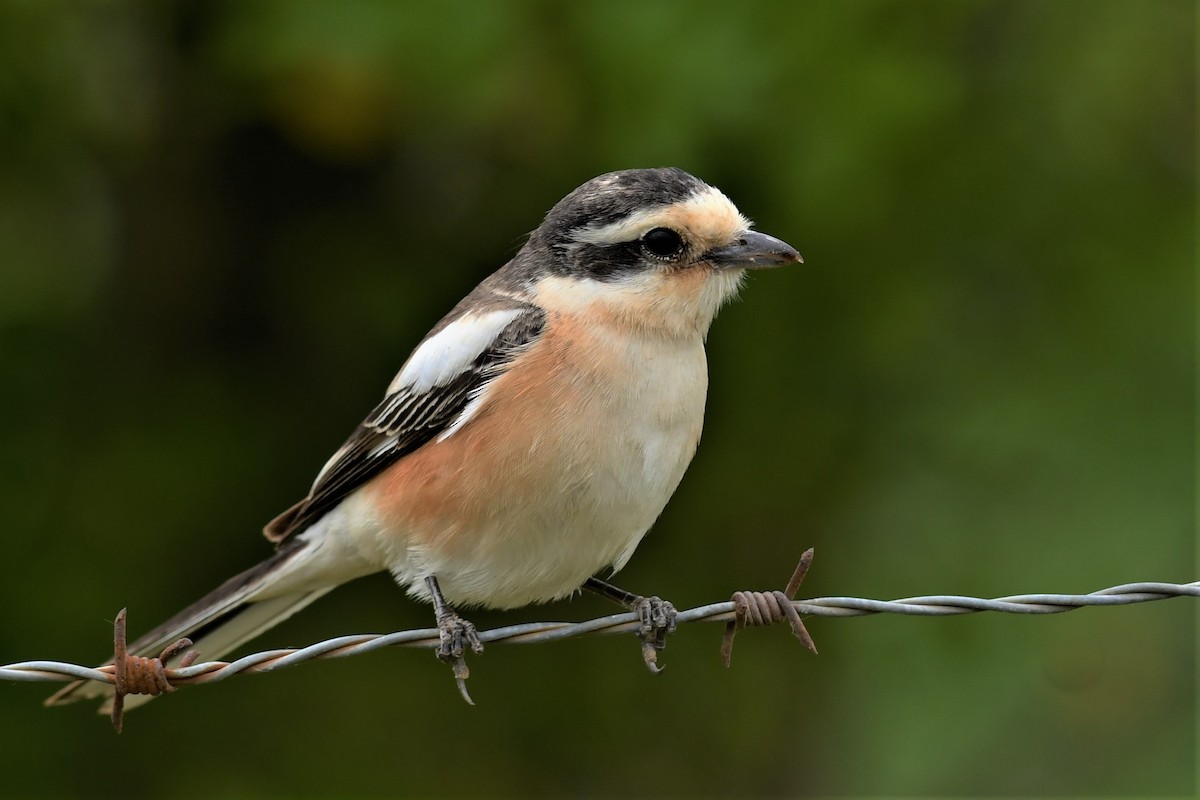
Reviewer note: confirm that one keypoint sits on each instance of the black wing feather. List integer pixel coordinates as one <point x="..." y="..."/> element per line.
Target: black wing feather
<point x="400" y="424"/>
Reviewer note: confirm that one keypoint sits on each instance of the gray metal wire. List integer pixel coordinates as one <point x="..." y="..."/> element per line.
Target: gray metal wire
<point x="535" y="632"/>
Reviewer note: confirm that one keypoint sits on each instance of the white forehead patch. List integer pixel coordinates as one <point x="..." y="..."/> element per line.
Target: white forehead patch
<point x="708" y="218"/>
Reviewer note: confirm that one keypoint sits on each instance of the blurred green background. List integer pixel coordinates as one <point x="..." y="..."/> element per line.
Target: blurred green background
<point x="224" y="224"/>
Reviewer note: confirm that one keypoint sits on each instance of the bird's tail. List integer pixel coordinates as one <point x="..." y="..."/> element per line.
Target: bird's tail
<point x="243" y="607"/>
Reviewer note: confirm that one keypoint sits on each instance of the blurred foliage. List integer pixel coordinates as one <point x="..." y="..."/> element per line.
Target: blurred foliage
<point x="223" y="224"/>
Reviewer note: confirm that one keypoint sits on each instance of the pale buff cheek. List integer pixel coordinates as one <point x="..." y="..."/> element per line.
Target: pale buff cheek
<point x="681" y="302"/>
<point x="672" y="302"/>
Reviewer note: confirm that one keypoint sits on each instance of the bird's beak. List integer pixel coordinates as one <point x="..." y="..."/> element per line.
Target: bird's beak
<point x="753" y="250"/>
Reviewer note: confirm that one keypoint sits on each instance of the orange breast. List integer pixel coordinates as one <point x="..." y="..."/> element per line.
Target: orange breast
<point x="568" y="461"/>
<point x="513" y="452"/>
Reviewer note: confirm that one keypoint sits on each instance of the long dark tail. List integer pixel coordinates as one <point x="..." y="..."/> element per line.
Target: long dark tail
<point x="218" y="622"/>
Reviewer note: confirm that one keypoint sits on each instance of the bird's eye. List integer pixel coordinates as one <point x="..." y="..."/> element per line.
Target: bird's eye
<point x="662" y="242"/>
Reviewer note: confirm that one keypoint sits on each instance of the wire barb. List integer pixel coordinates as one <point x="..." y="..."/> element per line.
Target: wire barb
<point x="139" y="674"/>
<point x="767" y="608"/>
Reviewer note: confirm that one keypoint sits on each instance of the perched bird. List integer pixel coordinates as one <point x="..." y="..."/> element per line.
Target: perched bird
<point x="533" y="436"/>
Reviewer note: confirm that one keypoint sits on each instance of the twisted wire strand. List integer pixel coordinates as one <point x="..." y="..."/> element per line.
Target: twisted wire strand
<point x="537" y="632"/>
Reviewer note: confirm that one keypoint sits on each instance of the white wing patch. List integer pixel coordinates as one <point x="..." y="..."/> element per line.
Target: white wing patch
<point x="451" y="350"/>
<point x="442" y="357"/>
<point x="441" y="386"/>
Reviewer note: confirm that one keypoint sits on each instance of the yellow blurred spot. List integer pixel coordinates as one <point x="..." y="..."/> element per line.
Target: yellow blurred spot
<point x="335" y="109"/>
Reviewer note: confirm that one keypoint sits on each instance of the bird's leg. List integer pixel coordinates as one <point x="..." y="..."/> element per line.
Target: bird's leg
<point x="657" y="617"/>
<point x="456" y="633"/>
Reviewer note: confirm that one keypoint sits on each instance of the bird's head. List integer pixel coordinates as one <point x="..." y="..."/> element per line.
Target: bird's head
<point x="653" y="248"/>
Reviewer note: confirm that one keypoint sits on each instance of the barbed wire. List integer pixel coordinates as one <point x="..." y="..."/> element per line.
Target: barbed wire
<point x="537" y="632"/>
<point x="746" y="609"/>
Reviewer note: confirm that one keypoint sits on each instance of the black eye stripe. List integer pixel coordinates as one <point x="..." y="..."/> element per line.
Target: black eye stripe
<point x="662" y="242"/>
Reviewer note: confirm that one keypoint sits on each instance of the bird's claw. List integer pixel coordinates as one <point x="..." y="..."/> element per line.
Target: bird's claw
<point x="456" y="634"/>
<point x="657" y="620"/>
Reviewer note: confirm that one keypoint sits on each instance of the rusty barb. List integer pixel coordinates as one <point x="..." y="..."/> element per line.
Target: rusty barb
<point x="141" y="674"/>
<point x="767" y="608"/>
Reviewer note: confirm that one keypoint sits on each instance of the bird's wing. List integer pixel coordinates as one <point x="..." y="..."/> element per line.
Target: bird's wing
<point x="431" y="396"/>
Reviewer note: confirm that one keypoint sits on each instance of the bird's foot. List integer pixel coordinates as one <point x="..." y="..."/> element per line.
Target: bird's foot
<point x="657" y="617"/>
<point x="456" y="635"/>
